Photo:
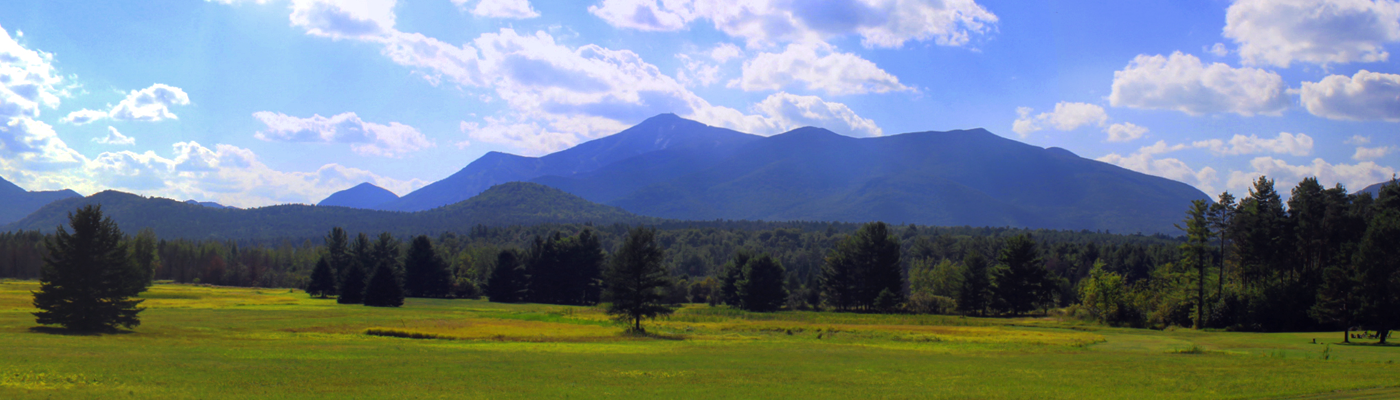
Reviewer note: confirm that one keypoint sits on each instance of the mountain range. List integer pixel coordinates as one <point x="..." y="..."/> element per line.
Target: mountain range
<point x="670" y="167"/>
<point x="15" y="202"/>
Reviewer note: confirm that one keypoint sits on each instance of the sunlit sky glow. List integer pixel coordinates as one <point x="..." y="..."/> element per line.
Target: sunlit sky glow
<point x="252" y="103"/>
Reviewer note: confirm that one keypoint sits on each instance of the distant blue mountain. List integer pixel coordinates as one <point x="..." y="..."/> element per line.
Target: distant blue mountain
<point x="16" y="203"/>
<point x="659" y="137"/>
<point x="675" y="168"/>
<point x="1374" y="190"/>
<point x="364" y="195"/>
<point x="209" y="204"/>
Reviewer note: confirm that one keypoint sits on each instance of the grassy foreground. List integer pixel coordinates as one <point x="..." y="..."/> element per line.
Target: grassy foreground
<point x="208" y="343"/>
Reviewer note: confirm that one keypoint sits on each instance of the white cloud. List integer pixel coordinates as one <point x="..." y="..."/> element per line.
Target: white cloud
<point x="1354" y="176"/>
<point x="1364" y="96"/>
<point x="530" y="136"/>
<point x="515" y="9"/>
<point x="1144" y="161"/>
<point x="1286" y="143"/>
<point x="788" y="111"/>
<point x="879" y="23"/>
<point x="725" y="52"/>
<point x="1125" y="132"/>
<point x="115" y="138"/>
<point x="149" y="104"/>
<point x="1067" y="116"/>
<point x="1371" y="153"/>
<point x="818" y="68"/>
<point x="695" y="72"/>
<point x="1218" y="50"/>
<point x="1358" y="140"/>
<point x="83" y="117"/>
<point x="28" y="83"/>
<point x="365" y="138"/>
<point x="344" y="19"/>
<point x="1181" y="82"/>
<point x="1279" y="32"/>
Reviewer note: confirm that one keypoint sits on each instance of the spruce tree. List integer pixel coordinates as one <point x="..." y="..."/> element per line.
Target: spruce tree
<point x="976" y="287"/>
<point x="385" y="289"/>
<point x="635" y="279"/>
<point x="1195" y="251"/>
<point x="145" y="259"/>
<point x="352" y="285"/>
<point x="862" y="266"/>
<point x="87" y="282"/>
<point x="425" y="273"/>
<point x="1378" y="264"/>
<point x="730" y="274"/>
<point x="1021" y="280"/>
<point x="338" y="252"/>
<point x="322" y="279"/>
<point x="761" y="287"/>
<point x="508" y="280"/>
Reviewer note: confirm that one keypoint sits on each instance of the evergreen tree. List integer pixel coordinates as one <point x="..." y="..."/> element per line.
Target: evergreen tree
<point x="386" y="252"/>
<point x="863" y="265"/>
<point x="425" y="273"/>
<point x="1378" y="264"/>
<point x="1221" y="216"/>
<point x="322" y="279"/>
<point x="565" y="270"/>
<point x="635" y="278"/>
<point x="1195" y="251"/>
<point x="508" y="280"/>
<point x="761" y="288"/>
<point x="385" y="289"/>
<point x="86" y="283"/>
<point x="145" y="258"/>
<point x="976" y="290"/>
<point x="1338" y="302"/>
<point x="338" y="252"/>
<point x="1021" y="280"/>
<point x="352" y="286"/>
<point x="730" y="274"/>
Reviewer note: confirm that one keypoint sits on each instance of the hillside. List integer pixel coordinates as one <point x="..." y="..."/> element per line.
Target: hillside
<point x="663" y="133"/>
<point x="506" y="204"/>
<point x="365" y="195"/>
<point x="1374" y="190"/>
<point x="16" y="203"/>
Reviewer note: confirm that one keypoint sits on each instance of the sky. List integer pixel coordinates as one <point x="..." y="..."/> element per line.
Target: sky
<point x="260" y="102"/>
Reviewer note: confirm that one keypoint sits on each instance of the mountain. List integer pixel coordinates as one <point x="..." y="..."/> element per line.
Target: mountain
<point x="16" y="203"/>
<point x="516" y="203"/>
<point x="1374" y="190"/>
<point x="364" y="195"/>
<point x="966" y="177"/>
<point x="659" y="137"/>
<point x="209" y="204"/>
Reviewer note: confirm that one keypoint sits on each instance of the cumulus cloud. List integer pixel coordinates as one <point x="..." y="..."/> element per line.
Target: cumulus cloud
<point x="1145" y="161"/>
<point x="365" y="138"/>
<point x="149" y="104"/>
<point x="83" y="117"/>
<point x="514" y="9"/>
<point x="1182" y="82"/>
<point x="788" y="111"/>
<point x="1286" y="143"/>
<point x="1274" y="32"/>
<point x="1371" y="153"/>
<point x="695" y="72"/>
<point x="1218" y="50"/>
<point x="1358" y="140"/>
<point x="29" y="83"/>
<point x="1067" y="116"/>
<point x="879" y="23"/>
<point x="115" y="138"/>
<point x="817" y="68"/>
<point x="1365" y="96"/>
<point x="1125" y="132"/>
<point x="1354" y="176"/>
<point x="344" y="19"/>
<point x="725" y="52"/>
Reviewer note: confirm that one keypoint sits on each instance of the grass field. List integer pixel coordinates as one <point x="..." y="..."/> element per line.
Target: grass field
<point x="209" y="343"/>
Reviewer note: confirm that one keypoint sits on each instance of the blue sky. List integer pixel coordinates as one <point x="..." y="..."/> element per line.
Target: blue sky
<point x="253" y="103"/>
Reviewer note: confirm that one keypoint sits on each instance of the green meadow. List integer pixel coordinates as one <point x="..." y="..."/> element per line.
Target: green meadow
<point x="199" y="342"/>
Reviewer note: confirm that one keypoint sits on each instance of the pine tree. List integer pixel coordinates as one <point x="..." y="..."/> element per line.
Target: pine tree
<point x="761" y="288"/>
<point x="385" y="289"/>
<point x="86" y="283"/>
<point x="1378" y="264"/>
<point x="863" y="265"/>
<point x="145" y="258"/>
<point x="322" y="279"/>
<point x="508" y="280"/>
<point x="730" y="274"/>
<point x="352" y="285"/>
<point x="1021" y="280"/>
<point x="1338" y="302"/>
<point x="635" y="279"/>
<point x="1195" y="251"/>
<point x="1222" y="215"/>
<point x="976" y="285"/>
<point x="338" y="252"/>
<point x="425" y="273"/>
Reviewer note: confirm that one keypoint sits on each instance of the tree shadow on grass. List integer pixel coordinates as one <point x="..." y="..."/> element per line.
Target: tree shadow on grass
<point x="52" y="330"/>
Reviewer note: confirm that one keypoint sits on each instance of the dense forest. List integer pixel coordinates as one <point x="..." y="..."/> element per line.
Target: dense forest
<point x="1321" y="260"/>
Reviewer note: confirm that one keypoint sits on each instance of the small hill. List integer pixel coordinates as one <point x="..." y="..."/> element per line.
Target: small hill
<point x="209" y="204"/>
<point x="16" y="203"/>
<point x="1374" y="190"/>
<point x="506" y="204"/>
<point x="365" y="195"/>
<point x="660" y="133"/>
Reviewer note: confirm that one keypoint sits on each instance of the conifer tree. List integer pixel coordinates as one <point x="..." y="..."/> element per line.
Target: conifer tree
<point x="862" y="266"/>
<point x="1378" y="264"/>
<point x="384" y="289"/>
<point x="635" y="279"/>
<point x="322" y="279"/>
<point x="86" y="283"/>
<point x="973" y="296"/>
<point x="338" y="252"/>
<point x="761" y="287"/>
<point x="1195" y="251"/>
<point x="352" y="285"/>
<point x="425" y="273"/>
<point x="145" y="259"/>
<point x="508" y="280"/>
<point x="730" y="274"/>
<point x="1021" y="280"/>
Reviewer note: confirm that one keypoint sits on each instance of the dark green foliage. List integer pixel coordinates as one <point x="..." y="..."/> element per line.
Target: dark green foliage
<point x="1338" y="299"/>
<point x="761" y="287"/>
<point x="88" y="277"/>
<point x="322" y="280"/>
<point x="425" y="273"/>
<point x="729" y="275"/>
<point x="508" y="282"/>
<point x="384" y="289"/>
<point x="1021" y="281"/>
<point x="565" y="270"/>
<point x="863" y="265"/>
<point x="1378" y="264"/>
<point x="352" y="282"/>
<point x="144" y="258"/>
<point x="635" y="279"/>
<point x="975" y="294"/>
<point x="1194" y="253"/>
<point x="886" y="301"/>
<point x="338" y="252"/>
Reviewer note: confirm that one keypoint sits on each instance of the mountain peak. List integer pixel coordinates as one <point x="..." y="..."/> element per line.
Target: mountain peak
<point x="365" y="195"/>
